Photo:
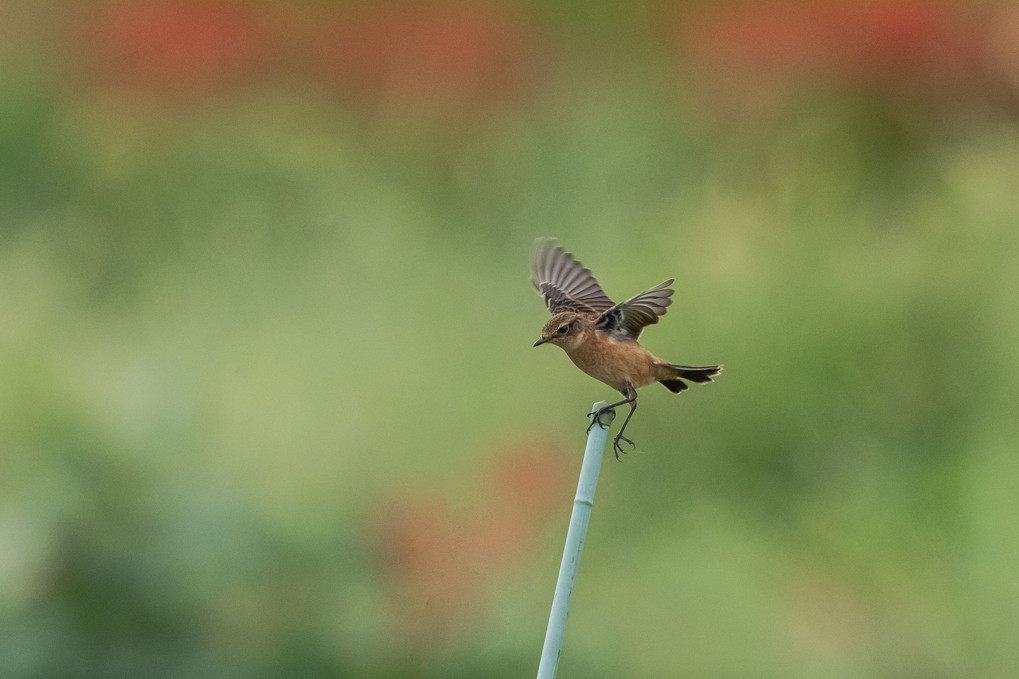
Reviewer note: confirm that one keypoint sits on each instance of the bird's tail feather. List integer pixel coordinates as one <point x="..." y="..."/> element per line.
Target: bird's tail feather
<point x="671" y="374"/>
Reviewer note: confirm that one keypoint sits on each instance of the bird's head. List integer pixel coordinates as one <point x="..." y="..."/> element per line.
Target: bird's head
<point x="563" y="329"/>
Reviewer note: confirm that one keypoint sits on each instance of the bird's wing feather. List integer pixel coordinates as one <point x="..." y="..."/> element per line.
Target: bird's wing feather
<point x="627" y="319"/>
<point x="564" y="282"/>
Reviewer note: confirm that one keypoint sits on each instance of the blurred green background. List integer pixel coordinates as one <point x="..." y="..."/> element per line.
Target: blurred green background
<point x="268" y="402"/>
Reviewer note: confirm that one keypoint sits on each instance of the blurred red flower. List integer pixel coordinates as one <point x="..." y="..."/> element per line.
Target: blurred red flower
<point x="894" y="45"/>
<point x="185" y="46"/>
<point x="448" y="55"/>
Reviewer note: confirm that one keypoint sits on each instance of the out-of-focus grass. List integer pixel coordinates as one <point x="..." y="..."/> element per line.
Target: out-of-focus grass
<point x="234" y="335"/>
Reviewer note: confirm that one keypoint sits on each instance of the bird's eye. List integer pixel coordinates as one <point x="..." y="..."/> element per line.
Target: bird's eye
<point x="563" y="329"/>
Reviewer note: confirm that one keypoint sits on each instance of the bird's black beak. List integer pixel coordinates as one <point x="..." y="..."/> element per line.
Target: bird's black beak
<point x="540" y="342"/>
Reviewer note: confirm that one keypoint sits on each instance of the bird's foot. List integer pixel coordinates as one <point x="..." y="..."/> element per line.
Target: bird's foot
<point x="596" y="417"/>
<point x="617" y="448"/>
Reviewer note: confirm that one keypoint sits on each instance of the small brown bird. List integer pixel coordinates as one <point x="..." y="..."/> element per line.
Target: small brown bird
<point x="600" y="337"/>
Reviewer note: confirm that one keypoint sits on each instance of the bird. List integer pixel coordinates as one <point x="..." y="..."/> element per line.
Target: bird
<point x="600" y="336"/>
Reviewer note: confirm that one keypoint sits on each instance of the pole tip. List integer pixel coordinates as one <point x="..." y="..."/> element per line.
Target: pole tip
<point x="604" y="418"/>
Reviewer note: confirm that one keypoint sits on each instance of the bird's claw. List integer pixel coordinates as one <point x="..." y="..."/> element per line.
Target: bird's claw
<point x="596" y="416"/>
<point x="617" y="448"/>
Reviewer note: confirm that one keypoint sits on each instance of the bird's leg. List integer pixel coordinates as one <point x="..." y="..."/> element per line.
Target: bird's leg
<point x="595" y="415"/>
<point x="631" y="399"/>
<point x="631" y="395"/>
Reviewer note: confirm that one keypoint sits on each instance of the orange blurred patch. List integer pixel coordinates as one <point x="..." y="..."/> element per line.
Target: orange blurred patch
<point x="439" y="567"/>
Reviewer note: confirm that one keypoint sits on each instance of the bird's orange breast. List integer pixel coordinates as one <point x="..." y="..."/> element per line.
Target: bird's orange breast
<point x="615" y="362"/>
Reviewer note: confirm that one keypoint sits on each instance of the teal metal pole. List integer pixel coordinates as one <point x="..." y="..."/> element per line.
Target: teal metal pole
<point x="582" y="504"/>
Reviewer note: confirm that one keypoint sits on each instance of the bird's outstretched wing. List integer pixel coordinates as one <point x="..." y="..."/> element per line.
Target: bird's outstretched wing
<point x="564" y="282"/>
<point x="627" y="319"/>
